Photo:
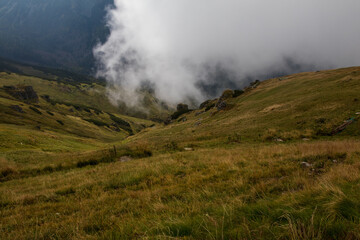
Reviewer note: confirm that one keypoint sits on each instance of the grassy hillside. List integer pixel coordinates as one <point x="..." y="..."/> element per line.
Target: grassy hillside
<point x="305" y="105"/>
<point x="267" y="165"/>
<point x="64" y="120"/>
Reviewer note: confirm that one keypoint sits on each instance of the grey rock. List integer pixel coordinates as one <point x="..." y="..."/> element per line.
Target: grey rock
<point x="221" y="105"/>
<point x="305" y="165"/>
<point x="125" y="159"/>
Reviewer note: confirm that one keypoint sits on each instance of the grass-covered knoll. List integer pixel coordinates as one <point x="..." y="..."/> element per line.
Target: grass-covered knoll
<point x="264" y="166"/>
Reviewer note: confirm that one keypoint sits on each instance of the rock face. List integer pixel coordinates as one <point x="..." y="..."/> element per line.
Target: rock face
<point x="221" y="105"/>
<point x="23" y="93"/>
<point x="182" y="107"/>
<point x="204" y="104"/>
<point x="227" y="94"/>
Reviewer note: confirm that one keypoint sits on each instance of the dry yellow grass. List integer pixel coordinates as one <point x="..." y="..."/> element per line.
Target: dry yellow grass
<point x="205" y="194"/>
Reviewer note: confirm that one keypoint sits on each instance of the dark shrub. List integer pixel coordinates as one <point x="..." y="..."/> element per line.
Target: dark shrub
<point x="91" y="162"/>
<point x="7" y="172"/>
<point x="60" y="122"/>
<point x="172" y="146"/>
<point x="209" y="107"/>
<point x="238" y="93"/>
<point x="35" y="110"/>
<point x="97" y="122"/>
<point x="48" y="169"/>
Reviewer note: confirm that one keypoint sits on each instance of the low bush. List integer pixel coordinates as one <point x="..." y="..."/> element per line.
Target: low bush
<point x="35" y="110"/>
<point x="6" y="172"/>
<point x="238" y="93"/>
<point x="235" y="138"/>
<point x="97" y="122"/>
<point x="65" y="192"/>
<point x="60" y="122"/>
<point x="91" y="162"/>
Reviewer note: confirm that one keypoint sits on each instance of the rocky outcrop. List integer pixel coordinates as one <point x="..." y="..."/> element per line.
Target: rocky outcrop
<point x="181" y="109"/>
<point x="23" y="93"/>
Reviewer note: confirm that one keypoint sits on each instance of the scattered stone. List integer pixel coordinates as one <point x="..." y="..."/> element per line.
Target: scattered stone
<point x="17" y="108"/>
<point x="305" y="165"/>
<point x="343" y="126"/>
<point x="221" y="105"/>
<point x="168" y="121"/>
<point x="183" y="119"/>
<point x="306" y="139"/>
<point x="198" y="113"/>
<point x="279" y="140"/>
<point x="358" y="113"/>
<point x="188" y="149"/>
<point x="125" y="159"/>
<point x="334" y="161"/>
<point x="198" y="123"/>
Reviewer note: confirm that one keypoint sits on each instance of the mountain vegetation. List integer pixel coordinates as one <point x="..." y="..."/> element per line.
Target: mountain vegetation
<point x="279" y="159"/>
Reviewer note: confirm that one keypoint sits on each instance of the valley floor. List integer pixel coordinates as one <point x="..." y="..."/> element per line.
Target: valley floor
<point x="295" y="190"/>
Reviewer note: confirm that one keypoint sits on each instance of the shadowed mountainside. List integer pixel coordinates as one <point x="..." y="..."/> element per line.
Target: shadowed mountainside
<point x="53" y="33"/>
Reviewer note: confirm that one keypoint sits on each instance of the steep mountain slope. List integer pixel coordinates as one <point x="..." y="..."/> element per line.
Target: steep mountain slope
<point x="55" y="33"/>
<point x="268" y="163"/>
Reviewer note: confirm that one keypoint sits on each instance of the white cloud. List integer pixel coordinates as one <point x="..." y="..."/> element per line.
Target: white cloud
<point x="169" y="42"/>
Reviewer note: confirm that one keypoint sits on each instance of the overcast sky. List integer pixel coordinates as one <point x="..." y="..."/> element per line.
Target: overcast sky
<point x="173" y="44"/>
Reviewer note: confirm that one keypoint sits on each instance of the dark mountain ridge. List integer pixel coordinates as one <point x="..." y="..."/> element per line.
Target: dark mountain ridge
<point x="52" y="33"/>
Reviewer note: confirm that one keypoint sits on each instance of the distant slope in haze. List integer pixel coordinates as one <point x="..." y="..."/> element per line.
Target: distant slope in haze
<point x="53" y="33"/>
